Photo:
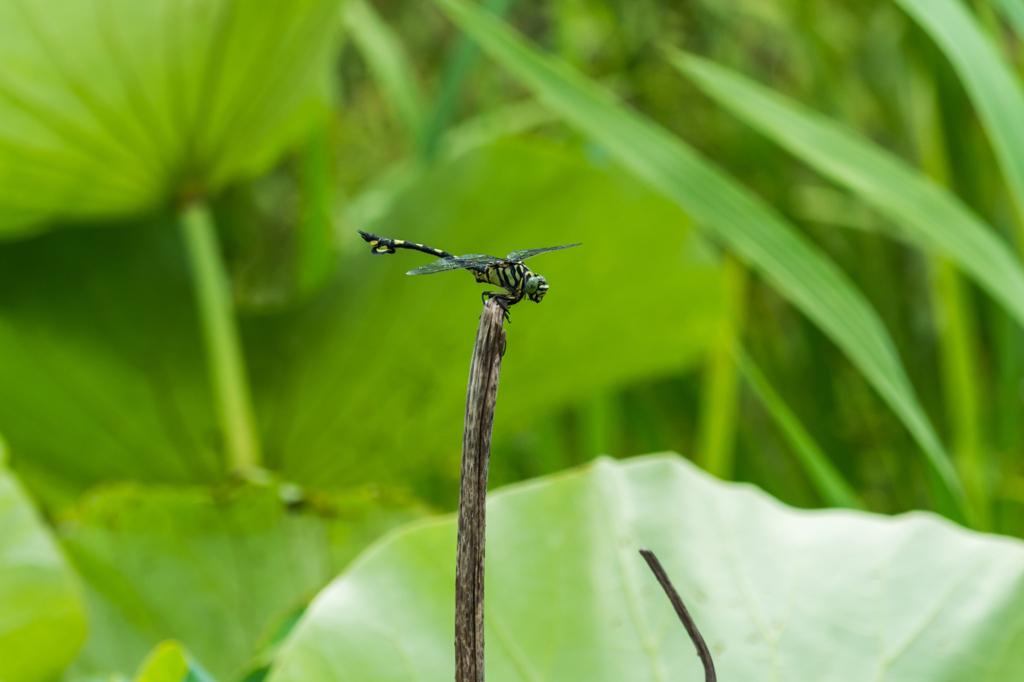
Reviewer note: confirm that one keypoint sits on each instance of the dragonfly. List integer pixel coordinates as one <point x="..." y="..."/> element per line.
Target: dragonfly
<point x="509" y="273"/>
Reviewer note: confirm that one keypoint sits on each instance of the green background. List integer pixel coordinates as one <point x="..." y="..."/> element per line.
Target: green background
<point x="231" y="436"/>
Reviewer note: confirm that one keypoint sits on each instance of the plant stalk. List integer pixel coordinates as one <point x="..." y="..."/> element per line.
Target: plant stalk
<point x="684" y="615"/>
<point x="717" y="428"/>
<point x="481" y="398"/>
<point x="220" y="334"/>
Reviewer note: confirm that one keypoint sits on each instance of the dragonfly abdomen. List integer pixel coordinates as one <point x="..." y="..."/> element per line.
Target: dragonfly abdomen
<point x="382" y="245"/>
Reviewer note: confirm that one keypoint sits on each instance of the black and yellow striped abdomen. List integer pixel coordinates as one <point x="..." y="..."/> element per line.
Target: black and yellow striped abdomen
<point x="383" y="245"/>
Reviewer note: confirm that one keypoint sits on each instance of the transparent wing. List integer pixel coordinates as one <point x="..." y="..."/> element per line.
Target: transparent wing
<point x="530" y="253"/>
<point x="457" y="263"/>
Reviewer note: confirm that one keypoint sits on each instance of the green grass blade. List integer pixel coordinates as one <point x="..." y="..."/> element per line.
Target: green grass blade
<point x="926" y="211"/>
<point x="457" y="68"/>
<point x="716" y="441"/>
<point x="386" y="58"/>
<point x="826" y="479"/>
<point x="990" y="83"/>
<point x="958" y="352"/>
<point x="1013" y="10"/>
<point x="954" y="312"/>
<point x="751" y="229"/>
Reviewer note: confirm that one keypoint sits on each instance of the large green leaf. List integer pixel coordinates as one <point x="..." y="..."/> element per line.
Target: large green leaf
<point x="778" y="594"/>
<point x="110" y="107"/>
<point x="41" y="616"/>
<point x="994" y="89"/>
<point x="749" y="227"/>
<point x="218" y="570"/>
<point x="929" y="213"/>
<point x="103" y="374"/>
<point x="618" y="310"/>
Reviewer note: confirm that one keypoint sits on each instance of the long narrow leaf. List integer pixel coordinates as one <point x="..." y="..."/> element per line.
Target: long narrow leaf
<point x="1013" y="10"/>
<point x="458" y="66"/>
<point x="745" y="224"/>
<point x="389" y="63"/>
<point x="958" y="355"/>
<point x="953" y="311"/>
<point x="996" y="92"/>
<point x="826" y="479"/>
<point x="928" y="212"/>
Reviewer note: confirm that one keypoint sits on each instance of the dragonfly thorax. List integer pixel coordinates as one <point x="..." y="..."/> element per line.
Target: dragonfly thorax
<point x="515" y="278"/>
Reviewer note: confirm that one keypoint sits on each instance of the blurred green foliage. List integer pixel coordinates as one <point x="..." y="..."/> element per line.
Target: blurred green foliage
<point x="375" y="327"/>
<point x="214" y="568"/>
<point x="730" y="167"/>
<point x="864" y="65"/>
<point x="169" y="661"/>
<point x="42" y="620"/>
<point x="103" y="376"/>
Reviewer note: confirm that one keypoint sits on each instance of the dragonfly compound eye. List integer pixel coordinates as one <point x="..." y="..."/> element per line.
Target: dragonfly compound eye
<point x="536" y="287"/>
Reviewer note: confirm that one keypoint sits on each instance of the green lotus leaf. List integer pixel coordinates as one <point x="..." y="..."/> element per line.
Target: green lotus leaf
<point x="103" y="374"/>
<point x="111" y="107"/>
<point x="778" y="594"/>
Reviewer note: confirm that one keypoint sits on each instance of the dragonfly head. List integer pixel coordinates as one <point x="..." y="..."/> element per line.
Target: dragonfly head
<point x="536" y="287"/>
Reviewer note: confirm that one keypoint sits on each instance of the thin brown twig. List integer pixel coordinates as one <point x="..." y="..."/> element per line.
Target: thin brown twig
<point x="481" y="398"/>
<point x="684" y="615"/>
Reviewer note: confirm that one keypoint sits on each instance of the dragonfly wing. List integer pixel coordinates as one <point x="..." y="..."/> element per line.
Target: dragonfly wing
<point x="457" y="263"/>
<point x="530" y="253"/>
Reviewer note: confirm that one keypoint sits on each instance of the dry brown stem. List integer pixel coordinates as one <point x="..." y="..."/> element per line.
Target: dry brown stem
<point x="481" y="398"/>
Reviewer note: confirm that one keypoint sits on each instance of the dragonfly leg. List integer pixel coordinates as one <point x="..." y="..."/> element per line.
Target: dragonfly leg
<point x="503" y="301"/>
